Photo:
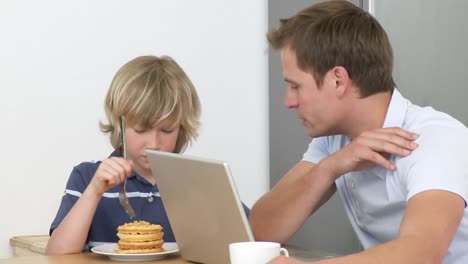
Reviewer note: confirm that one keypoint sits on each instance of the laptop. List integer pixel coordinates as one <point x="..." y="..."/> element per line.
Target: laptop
<point x="202" y="205"/>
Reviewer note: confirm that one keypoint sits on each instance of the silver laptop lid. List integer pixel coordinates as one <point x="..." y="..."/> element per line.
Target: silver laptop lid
<point x="202" y="205"/>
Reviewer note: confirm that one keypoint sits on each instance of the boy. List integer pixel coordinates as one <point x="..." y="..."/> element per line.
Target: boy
<point x="161" y="110"/>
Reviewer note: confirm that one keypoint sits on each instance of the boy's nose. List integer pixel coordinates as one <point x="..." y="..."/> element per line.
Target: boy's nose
<point x="154" y="142"/>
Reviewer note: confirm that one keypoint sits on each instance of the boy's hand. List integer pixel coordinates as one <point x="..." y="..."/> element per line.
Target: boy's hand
<point x="110" y="173"/>
<point x="372" y="147"/>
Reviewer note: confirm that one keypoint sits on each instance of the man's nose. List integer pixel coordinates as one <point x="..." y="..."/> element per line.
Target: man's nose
<point x="290" y="99"/>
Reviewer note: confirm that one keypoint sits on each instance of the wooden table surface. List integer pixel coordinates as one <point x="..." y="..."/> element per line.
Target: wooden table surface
<point x="92" y="258"/>
<point x="88" y="258"/>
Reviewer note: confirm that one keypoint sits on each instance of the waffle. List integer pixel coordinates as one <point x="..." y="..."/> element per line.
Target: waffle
<point x="139" y="237"/>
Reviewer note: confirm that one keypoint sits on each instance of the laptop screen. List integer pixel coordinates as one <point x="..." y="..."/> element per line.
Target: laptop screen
<point x="202" y="205"/>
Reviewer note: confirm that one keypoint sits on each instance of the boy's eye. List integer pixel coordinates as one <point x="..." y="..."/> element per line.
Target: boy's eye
<point x="140" y="130"/>
<point x="168" y="130"/>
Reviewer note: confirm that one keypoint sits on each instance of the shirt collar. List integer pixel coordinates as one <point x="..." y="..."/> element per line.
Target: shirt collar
<point x="396" y="111"/>
<point x="395" y="117"/>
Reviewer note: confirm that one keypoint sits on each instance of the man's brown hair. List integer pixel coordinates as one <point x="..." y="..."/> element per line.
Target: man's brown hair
<point x="338" y="33"/>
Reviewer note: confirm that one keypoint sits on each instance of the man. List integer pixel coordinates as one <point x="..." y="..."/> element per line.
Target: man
<point x="404" y="192"/>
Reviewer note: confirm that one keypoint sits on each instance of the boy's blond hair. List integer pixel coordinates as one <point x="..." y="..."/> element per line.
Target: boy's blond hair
<point x="148" y="90"/>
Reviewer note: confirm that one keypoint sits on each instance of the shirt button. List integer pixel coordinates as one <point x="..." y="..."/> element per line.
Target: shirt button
<point x="353" y="185"/>
<point x="150" y="199"/>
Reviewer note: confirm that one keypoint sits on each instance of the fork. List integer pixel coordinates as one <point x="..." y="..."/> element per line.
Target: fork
<point x="123" y="199"/>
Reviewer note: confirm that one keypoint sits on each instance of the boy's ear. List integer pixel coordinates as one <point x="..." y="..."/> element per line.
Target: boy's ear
<point x="340" y="80"/>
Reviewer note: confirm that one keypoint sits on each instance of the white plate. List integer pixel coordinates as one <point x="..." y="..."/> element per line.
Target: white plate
<point x="109" y="250"/>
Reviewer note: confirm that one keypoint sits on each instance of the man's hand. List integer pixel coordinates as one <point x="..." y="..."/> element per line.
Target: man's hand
<point x="372" y="147"/>
<point x="111" y="172"/>
<point x="285" y="260"/>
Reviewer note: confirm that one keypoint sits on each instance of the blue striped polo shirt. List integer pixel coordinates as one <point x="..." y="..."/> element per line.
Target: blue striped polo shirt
<point x="144" y="198"/>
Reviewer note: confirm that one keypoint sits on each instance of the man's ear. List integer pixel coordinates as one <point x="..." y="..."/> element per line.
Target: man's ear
<point x="340" y="79"/>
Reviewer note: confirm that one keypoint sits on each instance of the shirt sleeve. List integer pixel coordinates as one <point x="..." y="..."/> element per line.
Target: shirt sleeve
<point x="75" y="186"/>
<point x="439" y="162"/>
<point x="318" y="149"/>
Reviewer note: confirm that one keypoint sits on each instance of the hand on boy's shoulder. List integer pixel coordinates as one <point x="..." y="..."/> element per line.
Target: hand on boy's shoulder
<point x="110" y="173"/>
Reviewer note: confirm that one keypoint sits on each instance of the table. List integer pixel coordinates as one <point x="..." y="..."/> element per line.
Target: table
<point x="308" y="254"/>
<point x="92" y="258"/>
<point x="88" y="258"/>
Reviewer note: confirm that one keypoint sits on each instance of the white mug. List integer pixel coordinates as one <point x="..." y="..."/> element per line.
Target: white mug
<point x="255" y="252"/>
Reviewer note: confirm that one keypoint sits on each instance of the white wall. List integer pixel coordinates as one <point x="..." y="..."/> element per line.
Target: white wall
<point x="57" y="59"/>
